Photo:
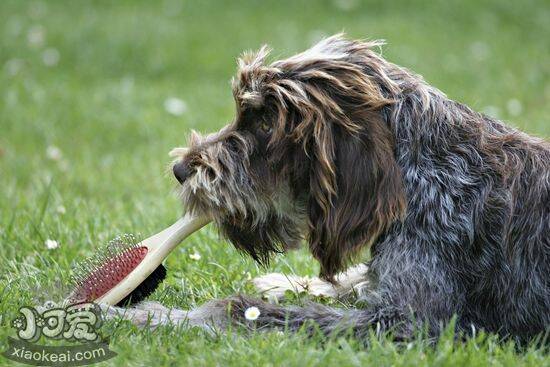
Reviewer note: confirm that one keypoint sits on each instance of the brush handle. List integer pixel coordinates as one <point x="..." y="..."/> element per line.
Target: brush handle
<point x="159" y="247"/>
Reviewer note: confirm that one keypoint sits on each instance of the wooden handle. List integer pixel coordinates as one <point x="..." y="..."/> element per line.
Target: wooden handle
<point x="159" y="247"/>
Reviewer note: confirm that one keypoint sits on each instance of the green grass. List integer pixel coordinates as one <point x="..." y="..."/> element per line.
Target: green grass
<point x="102" y="106"/>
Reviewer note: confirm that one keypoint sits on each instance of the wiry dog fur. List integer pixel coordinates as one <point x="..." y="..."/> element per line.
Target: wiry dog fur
<point x="343" y="149"/>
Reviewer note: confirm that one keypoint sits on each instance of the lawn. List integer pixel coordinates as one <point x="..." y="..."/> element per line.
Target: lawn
<point x="93" y="95"/>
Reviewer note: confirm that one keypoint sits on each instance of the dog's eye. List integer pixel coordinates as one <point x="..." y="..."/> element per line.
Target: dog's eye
<point x="266" y="128"/>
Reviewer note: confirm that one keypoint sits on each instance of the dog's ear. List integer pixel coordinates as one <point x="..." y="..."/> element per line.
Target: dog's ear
<point x="356" y="191"/>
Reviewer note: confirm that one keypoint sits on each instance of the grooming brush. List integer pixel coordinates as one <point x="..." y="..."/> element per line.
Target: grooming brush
<point x="127" y="271"/>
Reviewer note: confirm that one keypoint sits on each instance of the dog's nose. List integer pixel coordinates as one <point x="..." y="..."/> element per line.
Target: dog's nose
<point x="181" y="171"/>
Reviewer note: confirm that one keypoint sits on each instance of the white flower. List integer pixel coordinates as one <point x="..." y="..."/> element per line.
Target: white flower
<point x="492" y="111"/>
<point x="50" y="57"/>
<point x="480" y="50"/>
<point x="175" y="106"/>
<point x="514" y="107"/>
<point x="346" y="5"/>
<point x="252" y="313"/>
<point x="195" y="256"/>
<point x="61" y="209"/>
<point x="54" y="153"/>
<point x="51" y="244"/>
<point x="13" y="66"/>
<point x="36" y="36"/>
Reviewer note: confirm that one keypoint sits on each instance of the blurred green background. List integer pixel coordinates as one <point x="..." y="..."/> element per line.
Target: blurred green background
<point x="93" y="95"/>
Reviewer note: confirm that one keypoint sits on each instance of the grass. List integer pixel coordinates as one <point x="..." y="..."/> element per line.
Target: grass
<point x="101" y="103"/>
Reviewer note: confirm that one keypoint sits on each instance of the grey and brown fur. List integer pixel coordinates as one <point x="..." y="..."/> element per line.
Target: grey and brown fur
<point x="339" y="148"/>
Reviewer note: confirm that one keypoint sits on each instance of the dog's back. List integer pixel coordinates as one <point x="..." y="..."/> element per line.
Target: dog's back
<point x="511" y="248"/>
<point x="480" y="192"/>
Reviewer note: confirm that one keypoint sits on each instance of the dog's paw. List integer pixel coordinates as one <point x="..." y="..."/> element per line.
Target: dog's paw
<point x="351" y="282"/>
<point x="273" y="286"/>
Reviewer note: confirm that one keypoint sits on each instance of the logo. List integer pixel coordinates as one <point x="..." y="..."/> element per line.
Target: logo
<point x="74" y="323"/>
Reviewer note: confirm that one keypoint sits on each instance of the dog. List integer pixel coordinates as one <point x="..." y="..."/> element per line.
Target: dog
<point x="342" y="150"/>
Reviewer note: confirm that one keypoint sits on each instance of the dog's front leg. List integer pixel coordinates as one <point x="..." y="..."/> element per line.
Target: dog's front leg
<point x="350" y="283"/>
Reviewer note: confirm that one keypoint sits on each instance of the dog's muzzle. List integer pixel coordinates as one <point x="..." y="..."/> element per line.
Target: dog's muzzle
<point x="181" y="171"/>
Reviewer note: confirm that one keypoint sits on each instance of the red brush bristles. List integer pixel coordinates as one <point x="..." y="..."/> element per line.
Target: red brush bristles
<point x="105" y="270"/>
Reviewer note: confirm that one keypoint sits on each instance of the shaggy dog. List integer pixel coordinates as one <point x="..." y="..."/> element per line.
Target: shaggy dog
<point x="341" y="149"/>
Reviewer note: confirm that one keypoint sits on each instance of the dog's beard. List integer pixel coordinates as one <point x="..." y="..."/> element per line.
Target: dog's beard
<point x="276" y="234"/>
<point x="237" y="190"/>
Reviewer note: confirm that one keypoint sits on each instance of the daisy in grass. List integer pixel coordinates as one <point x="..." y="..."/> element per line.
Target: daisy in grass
<point x="51" y="244"/>
<point x="252" y="313"/>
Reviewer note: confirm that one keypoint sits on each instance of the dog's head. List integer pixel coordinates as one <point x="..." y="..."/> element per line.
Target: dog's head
<point x="308" y="156"/>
